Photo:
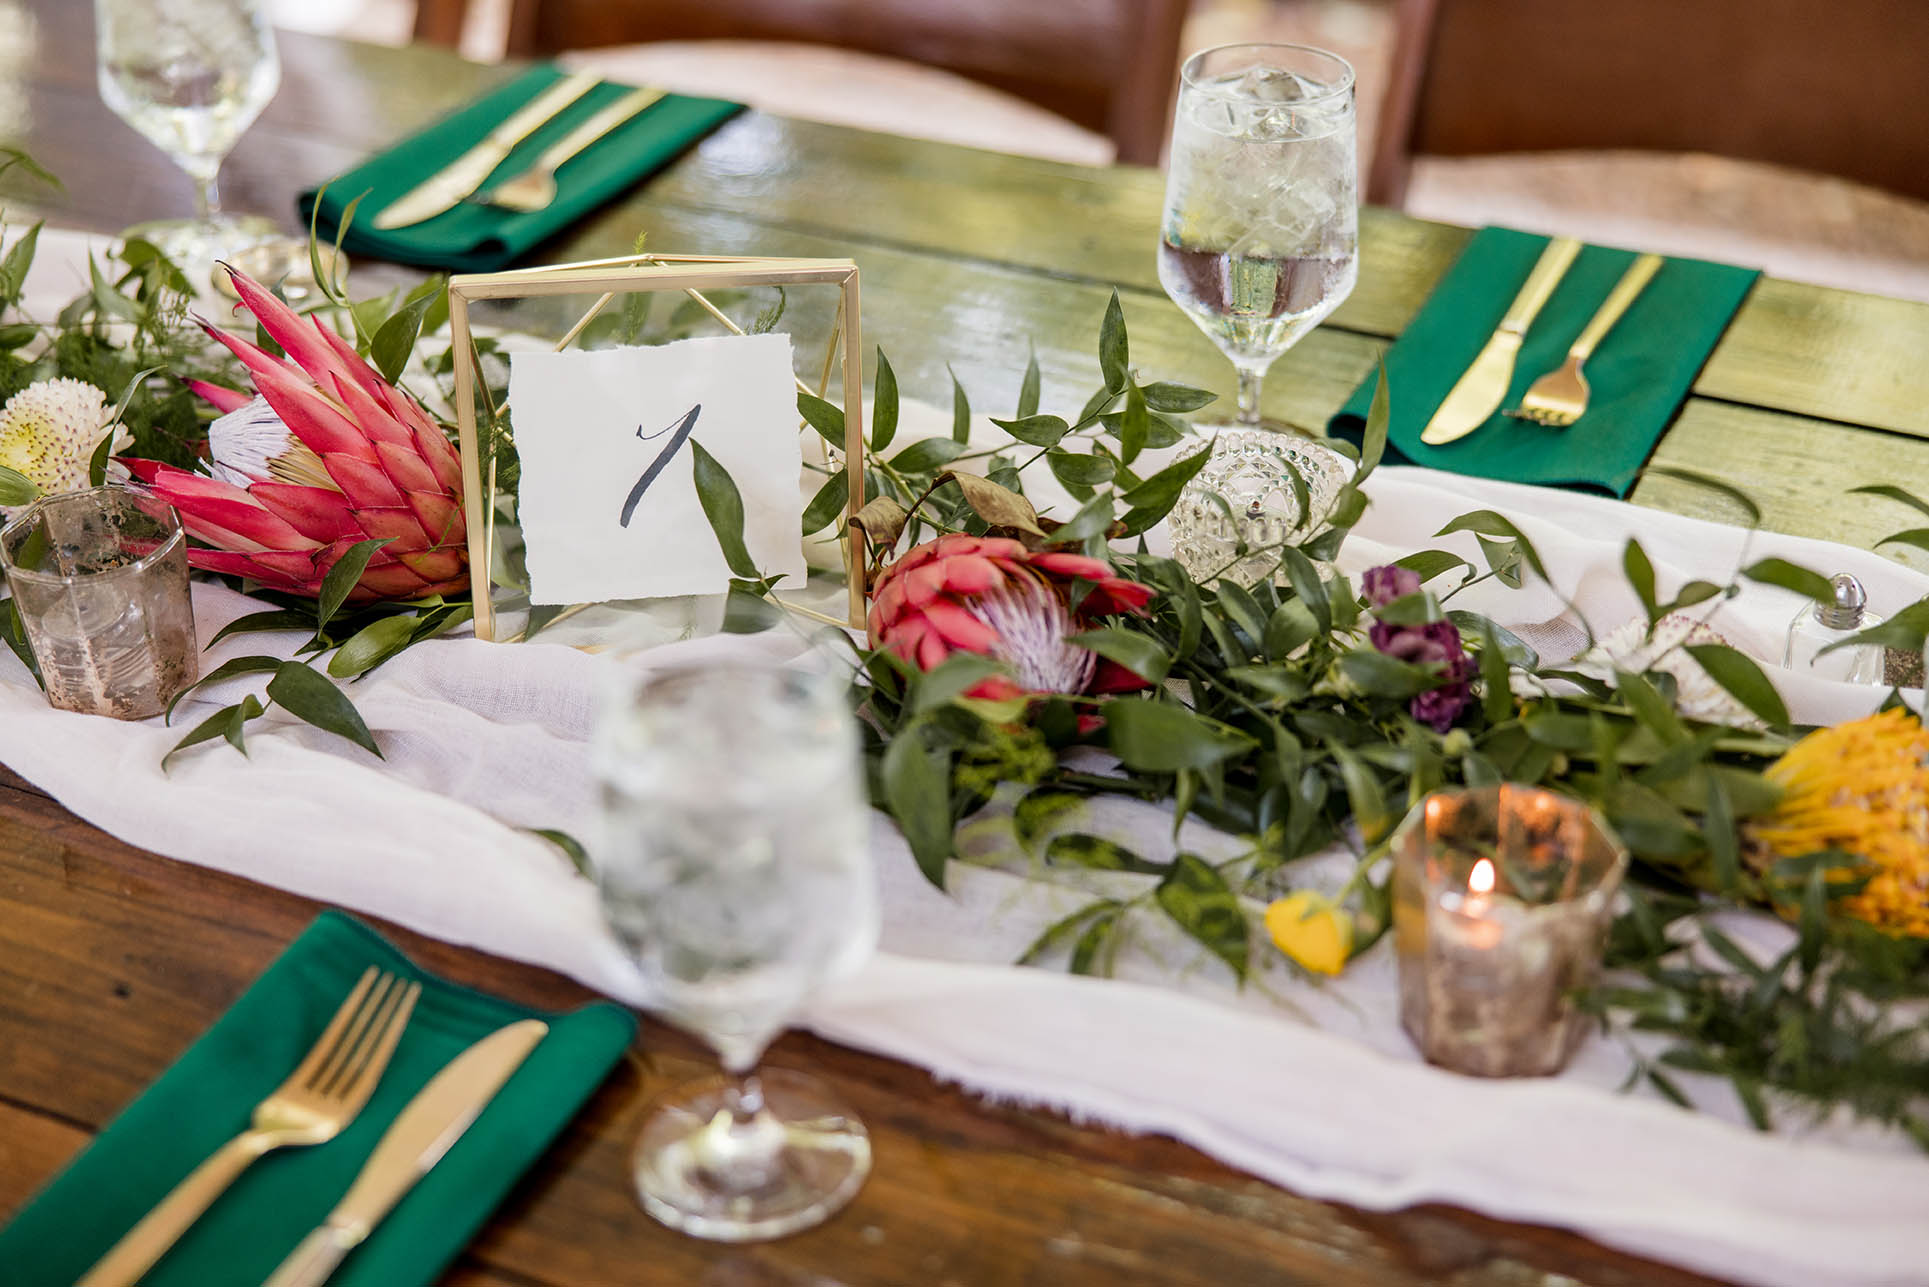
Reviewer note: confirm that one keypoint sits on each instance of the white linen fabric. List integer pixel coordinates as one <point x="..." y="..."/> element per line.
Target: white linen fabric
<point x="1309" y="1086"/>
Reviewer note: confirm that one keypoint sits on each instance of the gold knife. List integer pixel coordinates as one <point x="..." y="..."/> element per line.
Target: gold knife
<point x="438" y="1115"/>
<point x="1480" y="390"/>
<point x="466" y="173"/>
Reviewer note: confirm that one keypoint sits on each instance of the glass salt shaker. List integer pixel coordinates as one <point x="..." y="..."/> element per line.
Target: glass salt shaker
<point x="1818" y="625"/>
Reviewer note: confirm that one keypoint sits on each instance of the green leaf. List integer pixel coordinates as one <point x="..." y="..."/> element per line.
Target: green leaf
<point x="1363" y="794"/>
<point x="1916" y="536"/>
<point x="1655" y="712"/>
<point x="395" y="338"/>
<point x="226" y="670"/>
<point x="1640" y="573"/>
<point x="1737" y="672"/>
<point x="1815" y="918"/>
<point x="926" y="454"/>
<point x="1141" y="654"/>
<point x="960" y="410"/>
<point x="723" y="506"/>
<point x="1496" y="692"/>
<point x="1029" y="390"/>
<point x="1076" y="849"/>
<point x="1058" y="932"/>
<point x="1905" y="631"/>
<point x="13" y="269"/>
<point x="950" y="679"/>
<point x="1710" y="483"/>
<point x="825" y="417"/>
<point x="1431" y="563"/>
<point x="224" y="723"/>
<point x="16" y="488"/>
<point x="1289" y="628"/>
<point x="1096" y="937"/>
<point x="372" y="645"/>
<point x="917" y="788"/>
<point x="256" y="622"/>
<point x="1486" y="523"/>
<point x="1092" y="519"/>
<point x="1114" y="356"/>
<point x="1308" y="586"/>
<point x="1040" y="809"/>
<point x="1892" y="493"/>
<point x="572" y="847"/>
<point x="1790" y="576"/>
<point x="1373" y="438"/>
<point x="1379" y="675"/>
<point x="15" y="635"/>
<point x="1164" y="737"/>
<point x="110" y="301"/>
<point x="1077" y="469"/>
<point x="1162" y="395"/>
<point x="1718" y="829"/>
<point x="746" y="611"/>
<point x="1200" y="902"/>
<point x="828" y="503"/>
<point x="1134" y="425"/>
<point x="1039" y="431"/>
<point x="884" y="404"/>
<point x="308" y="695"/>
<point x="1156" y="496"/>
<point x="341" y="579"/>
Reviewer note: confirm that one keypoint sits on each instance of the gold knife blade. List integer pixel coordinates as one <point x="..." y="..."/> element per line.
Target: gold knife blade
<point x="438" y="1115"/>
<point x="1480" y="389"/>
<point x="447" y="186"/>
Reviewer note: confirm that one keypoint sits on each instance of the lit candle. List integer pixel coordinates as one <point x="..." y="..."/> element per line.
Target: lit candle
<point x="1487" y="970"/>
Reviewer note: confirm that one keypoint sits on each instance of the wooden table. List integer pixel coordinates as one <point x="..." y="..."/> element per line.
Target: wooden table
<point x="113" y="960"/>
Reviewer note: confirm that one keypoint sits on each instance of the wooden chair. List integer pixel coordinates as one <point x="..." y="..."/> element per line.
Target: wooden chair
<point x="1835" y="87"/>
<point x="1109" y="66"/>
<point x="1781" y="132"/>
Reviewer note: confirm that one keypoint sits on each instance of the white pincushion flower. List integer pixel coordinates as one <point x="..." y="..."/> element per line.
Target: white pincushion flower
<point x="50" y="430"/>
<point x="1632" y="649"/>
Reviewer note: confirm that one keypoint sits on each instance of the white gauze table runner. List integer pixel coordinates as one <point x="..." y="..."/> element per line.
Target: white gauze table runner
<point x="1312" y="1087"/>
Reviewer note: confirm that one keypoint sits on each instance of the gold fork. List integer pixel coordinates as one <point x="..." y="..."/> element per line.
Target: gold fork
<point x="1559" y="398"/>
<point x="319" y="1098"/>
<point x="535" y="187"/>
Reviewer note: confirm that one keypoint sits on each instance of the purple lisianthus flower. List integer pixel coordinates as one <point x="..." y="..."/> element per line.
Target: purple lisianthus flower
<point x="1431" y="643"/>
<point x="1386" y="583"/>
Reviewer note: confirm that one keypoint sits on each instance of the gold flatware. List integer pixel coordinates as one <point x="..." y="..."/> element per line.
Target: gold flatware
<point x="466" y="173"/>
<point x="1480" y="389"/>
<point x="535" y="188"/>
<point x="1559" y="398"/>
<point x="422" y="1133"/>
<point x="320" y="1097"/>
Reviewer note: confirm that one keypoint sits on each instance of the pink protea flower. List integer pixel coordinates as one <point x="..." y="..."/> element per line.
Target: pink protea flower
<point x="993" y="596"/>
<point x="327" y="454"/>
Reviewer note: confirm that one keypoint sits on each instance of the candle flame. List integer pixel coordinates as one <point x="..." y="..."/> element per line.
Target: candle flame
<point x="1481" y="880"/>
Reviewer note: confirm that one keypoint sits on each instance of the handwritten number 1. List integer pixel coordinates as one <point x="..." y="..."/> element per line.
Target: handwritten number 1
<point x="684" y="427"/>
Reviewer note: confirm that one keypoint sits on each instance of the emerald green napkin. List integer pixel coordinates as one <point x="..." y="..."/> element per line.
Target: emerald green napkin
<point x="1639" y="375"/>
<point x="479" y="239"/>
<point x="207" y="1096"/>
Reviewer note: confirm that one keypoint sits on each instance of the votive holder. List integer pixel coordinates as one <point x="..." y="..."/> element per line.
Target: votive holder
<point x="100" y="581"/>
<point x="1502" y="897"/>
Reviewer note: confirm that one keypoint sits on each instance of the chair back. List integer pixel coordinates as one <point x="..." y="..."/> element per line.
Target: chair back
<point x="1835" y="87"/>
<point x="1108" y="65"/>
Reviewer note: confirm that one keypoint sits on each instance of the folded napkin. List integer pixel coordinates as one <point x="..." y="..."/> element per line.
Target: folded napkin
<point x="479" y="239"/>
<point x="207" y="1096"/>
<point x="1639" y="375"/>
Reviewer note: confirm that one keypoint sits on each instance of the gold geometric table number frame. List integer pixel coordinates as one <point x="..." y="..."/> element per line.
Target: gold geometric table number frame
<point x="631" y="274"/>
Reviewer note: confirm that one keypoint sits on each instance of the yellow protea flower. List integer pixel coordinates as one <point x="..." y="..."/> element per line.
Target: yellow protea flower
<point x="1312" y="929"/>
<point x="49" y="431"/>
<point x="1863" y="788"/>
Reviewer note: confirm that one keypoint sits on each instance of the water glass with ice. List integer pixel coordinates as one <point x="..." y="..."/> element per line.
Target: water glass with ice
<point x="734" y="868"/>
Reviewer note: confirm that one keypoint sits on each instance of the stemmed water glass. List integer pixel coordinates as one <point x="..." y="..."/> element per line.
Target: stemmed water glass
<point x="1260" y="242"/>
<point x="734" y="868"/>
<point x="192" y="76"/>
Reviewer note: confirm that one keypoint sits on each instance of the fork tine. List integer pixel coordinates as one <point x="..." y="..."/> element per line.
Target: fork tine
<point x="379" y="1000"/>
<point x="331" y="1036"/>
<point x="360" y="1080"/>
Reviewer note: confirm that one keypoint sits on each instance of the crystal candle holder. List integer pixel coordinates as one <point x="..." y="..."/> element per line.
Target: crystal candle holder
<point x="100" y="580"/>
<point x="1501" y="898"/>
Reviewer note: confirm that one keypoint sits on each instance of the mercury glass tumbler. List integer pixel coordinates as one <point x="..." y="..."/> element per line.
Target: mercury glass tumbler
<point x="1501" y="898"/>
<point x="100" y="581"/>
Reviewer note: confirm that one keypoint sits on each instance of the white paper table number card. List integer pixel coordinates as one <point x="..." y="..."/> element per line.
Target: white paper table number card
<point x="608" y="498"/>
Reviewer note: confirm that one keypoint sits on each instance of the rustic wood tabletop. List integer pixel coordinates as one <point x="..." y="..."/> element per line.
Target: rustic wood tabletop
<point x="112" y="960"/>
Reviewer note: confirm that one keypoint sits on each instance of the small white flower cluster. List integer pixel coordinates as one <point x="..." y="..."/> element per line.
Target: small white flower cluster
<point x="1697" y="696"/>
